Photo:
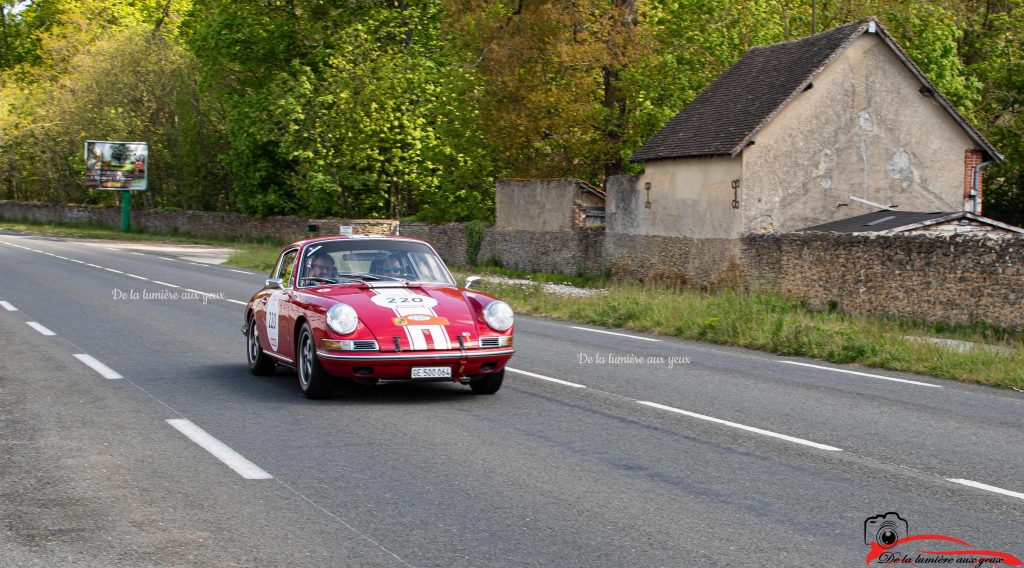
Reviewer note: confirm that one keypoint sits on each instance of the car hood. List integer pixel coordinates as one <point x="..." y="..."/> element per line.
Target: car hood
<point x="421" y="317"/>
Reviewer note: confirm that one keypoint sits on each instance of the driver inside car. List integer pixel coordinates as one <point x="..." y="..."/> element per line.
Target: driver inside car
<point x="322" y="266"/>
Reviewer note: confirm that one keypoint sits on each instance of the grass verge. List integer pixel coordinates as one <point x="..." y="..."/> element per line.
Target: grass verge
<point x="775" y="324"/>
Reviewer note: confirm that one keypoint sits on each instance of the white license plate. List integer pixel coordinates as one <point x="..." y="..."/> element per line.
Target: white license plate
<point x="431" y="372"/>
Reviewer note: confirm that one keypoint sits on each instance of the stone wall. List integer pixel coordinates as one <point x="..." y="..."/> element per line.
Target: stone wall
<point x="580" y="251"/>
<point x="960" y="279"/>
<point x="205" y="224"/>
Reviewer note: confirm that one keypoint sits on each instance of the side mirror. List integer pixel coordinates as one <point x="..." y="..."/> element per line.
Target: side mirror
<point x="471" y="282"/>
<point x="275" y="283"/>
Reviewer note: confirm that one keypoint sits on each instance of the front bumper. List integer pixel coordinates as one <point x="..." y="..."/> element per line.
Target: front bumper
<point x="399" y="365"/>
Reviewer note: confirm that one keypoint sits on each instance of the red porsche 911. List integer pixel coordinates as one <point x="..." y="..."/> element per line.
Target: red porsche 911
<point x="375" y="308"/>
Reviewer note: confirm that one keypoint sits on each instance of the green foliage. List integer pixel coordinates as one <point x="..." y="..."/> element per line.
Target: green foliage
<point x="474" y="240"/>
<point x="400" y="108"/>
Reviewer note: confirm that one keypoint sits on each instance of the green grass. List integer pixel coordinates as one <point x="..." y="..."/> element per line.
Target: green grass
<point x="775" y="324"/>
<point x="254" y="256"/>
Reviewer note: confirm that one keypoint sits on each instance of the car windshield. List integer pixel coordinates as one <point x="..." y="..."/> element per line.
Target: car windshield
<point x="359" y="260"/>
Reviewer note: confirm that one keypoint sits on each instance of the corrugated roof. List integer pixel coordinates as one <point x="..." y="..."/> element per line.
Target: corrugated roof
<point x="899" y="221"/>
<point x="878" y="221"/>
<point x="724" y="117"/>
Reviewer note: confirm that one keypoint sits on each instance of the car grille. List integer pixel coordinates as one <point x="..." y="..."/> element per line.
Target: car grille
<point x="489" y="342"/>
<point x="364" y="345"/>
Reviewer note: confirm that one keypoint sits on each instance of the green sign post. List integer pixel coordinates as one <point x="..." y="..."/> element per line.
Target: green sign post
<point x="126" y="211"/>
<point x="122" y="166"/>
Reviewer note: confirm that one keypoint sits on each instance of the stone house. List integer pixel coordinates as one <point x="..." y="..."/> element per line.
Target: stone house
<point x="801" y="133"/>
<point x="544" y="205"/>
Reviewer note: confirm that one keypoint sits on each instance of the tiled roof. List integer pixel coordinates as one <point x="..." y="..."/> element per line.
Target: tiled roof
<point x="726" y="115"/>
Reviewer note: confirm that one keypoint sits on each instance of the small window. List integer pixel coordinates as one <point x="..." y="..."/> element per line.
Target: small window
<point x="285" y="267"/>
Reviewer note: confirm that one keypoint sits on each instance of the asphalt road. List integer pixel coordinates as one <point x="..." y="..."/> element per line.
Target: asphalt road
<point x="602" y="449"/>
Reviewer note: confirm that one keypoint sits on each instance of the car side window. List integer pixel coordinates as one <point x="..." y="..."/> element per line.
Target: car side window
<point x="285" y="268"/>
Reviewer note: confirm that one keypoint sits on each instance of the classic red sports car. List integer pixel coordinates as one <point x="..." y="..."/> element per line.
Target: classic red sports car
<point x="375" y="308"/>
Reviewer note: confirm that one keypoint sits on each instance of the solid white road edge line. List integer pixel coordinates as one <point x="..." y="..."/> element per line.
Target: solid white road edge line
<point x="884" y="378"/>
<point x="742" y="427"/>
<point x="7" y="306"/>
<point x="536" y="376"/>
<point x="104" y="371"/>
<point x="613" y="333"/>
<point x="40" y="328"/>
<point x="991" y="488"/>
<point x="219" y="450"/>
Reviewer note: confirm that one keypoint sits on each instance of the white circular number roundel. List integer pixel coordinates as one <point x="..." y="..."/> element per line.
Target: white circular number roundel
<point x="406" y="300"/>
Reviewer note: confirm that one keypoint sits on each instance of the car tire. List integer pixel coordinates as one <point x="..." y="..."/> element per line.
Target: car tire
<point x="260" y="363"/>
<point x="487" y="384"/>
<point x="314" y="381"/>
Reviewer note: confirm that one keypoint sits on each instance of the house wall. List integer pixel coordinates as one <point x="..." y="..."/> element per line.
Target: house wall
<point x="862" y="130"/>
<point x="688" y="198"/>
<point x="535" y="204"/>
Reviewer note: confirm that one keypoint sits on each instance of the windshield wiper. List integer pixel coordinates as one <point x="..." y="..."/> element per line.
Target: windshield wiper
<point x="358" y="276"/>
<point x="320" y="279"/>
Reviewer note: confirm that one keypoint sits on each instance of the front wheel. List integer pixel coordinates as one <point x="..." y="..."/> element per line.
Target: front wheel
<point x="314" y="381"/>
<point x="259" y="362"/>
<point x="487" y="384"/>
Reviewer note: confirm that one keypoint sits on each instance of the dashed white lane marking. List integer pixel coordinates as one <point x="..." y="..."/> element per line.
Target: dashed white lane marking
<point x="165" y="258"/>
<point x="104" y="371"/>
<point x="40" y="328"/>
<point x="137" y="253"/>
<point x="219" y="450"/>
<point x="613" y="333"/>
<point x="884" y="378"/>
<point x="986" y="487"/>
<point x="7" y="306"/>
<point x="209" y="295"/>
<point x="197" y="264"/>
<point x="240" y="271"/>
<point x="742" y="426"/>
<point x="542" y="377"/>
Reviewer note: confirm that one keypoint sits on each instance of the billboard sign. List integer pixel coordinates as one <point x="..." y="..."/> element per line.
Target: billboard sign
<point x="116" y="165"/>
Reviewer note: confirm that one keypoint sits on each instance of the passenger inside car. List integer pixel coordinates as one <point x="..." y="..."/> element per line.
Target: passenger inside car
<point x="388" y="266"/>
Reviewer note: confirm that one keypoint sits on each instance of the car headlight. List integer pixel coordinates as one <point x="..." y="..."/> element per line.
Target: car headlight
<point x="342" y="318"/>
<point x="499" y="315"/>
